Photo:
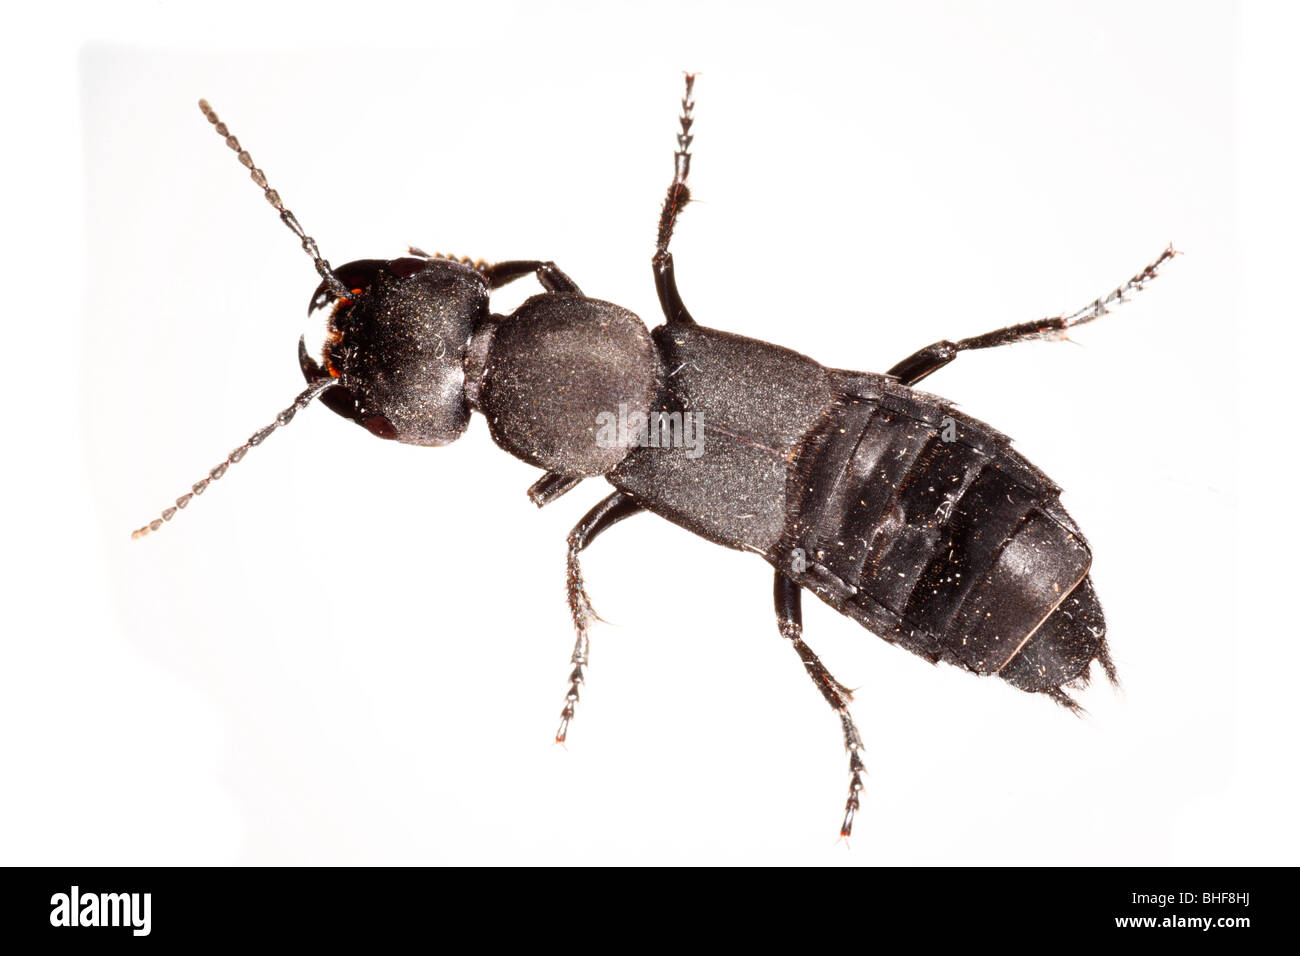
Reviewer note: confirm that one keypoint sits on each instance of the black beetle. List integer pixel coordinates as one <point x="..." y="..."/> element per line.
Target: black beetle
<point x="919" y="522"/>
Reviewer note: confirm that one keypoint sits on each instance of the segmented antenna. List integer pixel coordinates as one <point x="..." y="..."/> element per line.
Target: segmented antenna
<point x="273" y="197"/>
<point x="284" y="418"/>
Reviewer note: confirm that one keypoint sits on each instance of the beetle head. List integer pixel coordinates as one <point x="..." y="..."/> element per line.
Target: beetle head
<point x="391" y="359"/>
<point x="394" y="347"/>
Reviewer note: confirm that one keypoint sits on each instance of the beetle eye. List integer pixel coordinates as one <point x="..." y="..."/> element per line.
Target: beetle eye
<point x="340" y="401"/>
<point x="380" y="427"/>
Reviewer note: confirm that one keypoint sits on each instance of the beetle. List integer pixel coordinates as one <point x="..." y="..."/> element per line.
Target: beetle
<point x="889" y="504"/>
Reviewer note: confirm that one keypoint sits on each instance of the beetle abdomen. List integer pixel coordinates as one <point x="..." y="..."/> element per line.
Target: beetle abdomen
<point x="924" y="525"/>
<point x="1063" y="647"/>
<point x="920" y="523"/>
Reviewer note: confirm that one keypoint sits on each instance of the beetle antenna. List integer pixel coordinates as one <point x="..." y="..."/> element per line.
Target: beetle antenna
<point x="273" y="197"/>
<point x="284" y="418"/>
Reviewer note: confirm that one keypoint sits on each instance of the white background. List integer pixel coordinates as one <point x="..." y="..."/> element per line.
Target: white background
<point x="356" y="651"/>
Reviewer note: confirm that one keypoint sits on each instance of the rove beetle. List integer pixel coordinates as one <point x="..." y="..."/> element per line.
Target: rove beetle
<point x="889" y="504"/>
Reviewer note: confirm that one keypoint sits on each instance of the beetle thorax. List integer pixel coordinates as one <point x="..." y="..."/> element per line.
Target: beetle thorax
<point x="547" y="376"/>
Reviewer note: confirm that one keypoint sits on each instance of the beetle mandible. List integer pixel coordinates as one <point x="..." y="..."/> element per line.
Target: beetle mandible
<point x="917" y="521"/>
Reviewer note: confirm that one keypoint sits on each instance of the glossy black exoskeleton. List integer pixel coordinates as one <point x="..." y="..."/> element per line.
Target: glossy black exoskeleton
<point x="899" y="511"/>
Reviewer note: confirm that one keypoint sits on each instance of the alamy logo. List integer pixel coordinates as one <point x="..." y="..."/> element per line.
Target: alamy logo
<point x="655" y="430"/>
<point x="101" y="909"/>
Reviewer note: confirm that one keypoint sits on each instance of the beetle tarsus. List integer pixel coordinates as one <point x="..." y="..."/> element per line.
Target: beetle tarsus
<point x="789" y="617"/>
<point x="606" y="514"/>
<point x="479" y="265"/>
<point x="930" y="359"/>
<point x="679" y="194"/>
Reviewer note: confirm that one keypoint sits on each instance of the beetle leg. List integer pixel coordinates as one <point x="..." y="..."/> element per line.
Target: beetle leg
<point x="551" y="486"/>
<point x="679" y="194"/>
<point x="934" y="357"/>
<point x="789" y="617"/>
<point x="548" y="274"/>
<point x="478" y="264"/>
<point x="609" y="512"/>
<point x="503" y="273"/>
